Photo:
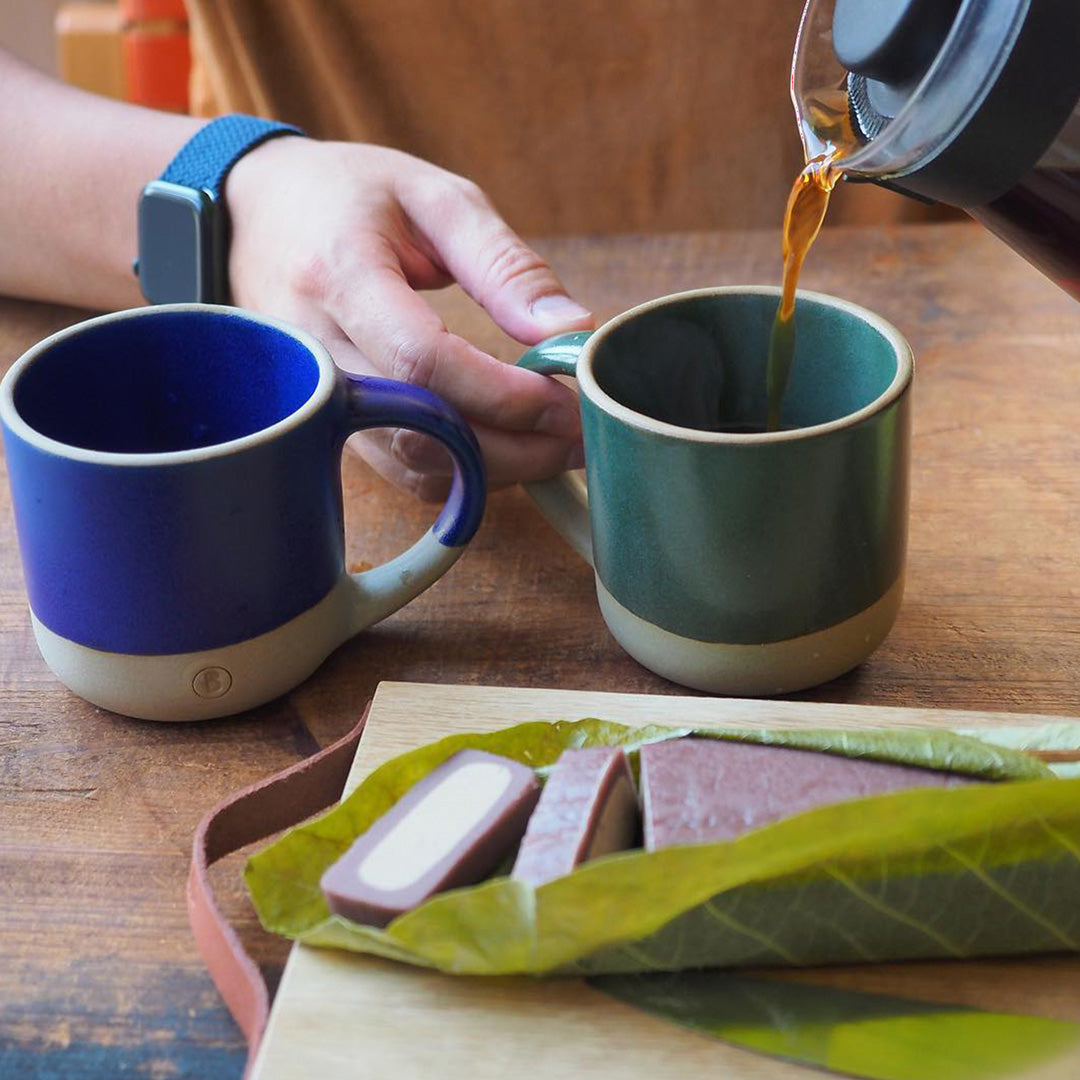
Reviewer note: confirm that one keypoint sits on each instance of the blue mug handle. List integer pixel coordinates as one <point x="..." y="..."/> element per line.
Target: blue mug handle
<point x="373" y="403"/>
<point x="564" y="500"/>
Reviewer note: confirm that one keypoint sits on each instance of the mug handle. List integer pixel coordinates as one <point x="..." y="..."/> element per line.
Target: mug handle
<point x="563" y="500"/>
<point x="373" y="403"/>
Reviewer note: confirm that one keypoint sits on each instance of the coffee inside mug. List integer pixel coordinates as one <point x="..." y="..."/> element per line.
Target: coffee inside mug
<point x="178" y="381"/>
<point x="699" y="363"/>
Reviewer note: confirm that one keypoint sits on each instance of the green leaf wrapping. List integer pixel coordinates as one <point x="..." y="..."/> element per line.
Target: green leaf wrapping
<point x="847" y="1031"/>
<point x="1061" y="735"/>
<point x="967" y="871"/>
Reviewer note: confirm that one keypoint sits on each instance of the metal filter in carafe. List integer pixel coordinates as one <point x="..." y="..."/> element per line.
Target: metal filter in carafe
<point x="974" y="103"/>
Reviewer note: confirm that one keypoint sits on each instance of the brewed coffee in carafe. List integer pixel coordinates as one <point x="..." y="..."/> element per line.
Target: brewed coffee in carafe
<point x="973" y="103"/>
<point x="1040" y="218"/>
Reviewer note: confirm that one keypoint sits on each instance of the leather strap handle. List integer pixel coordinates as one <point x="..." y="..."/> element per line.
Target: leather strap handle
<point x="252" y="814"/>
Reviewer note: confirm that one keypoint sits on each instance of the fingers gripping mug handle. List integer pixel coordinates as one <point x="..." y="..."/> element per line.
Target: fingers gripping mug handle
<point x="563" y="500"/>
<point x="374" y="403"/>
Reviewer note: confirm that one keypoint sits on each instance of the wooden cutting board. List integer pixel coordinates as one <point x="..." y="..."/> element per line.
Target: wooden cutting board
<point x="339" y="1016"/>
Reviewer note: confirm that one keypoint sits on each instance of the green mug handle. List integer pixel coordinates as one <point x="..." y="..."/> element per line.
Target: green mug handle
<point x="563" y="500"/>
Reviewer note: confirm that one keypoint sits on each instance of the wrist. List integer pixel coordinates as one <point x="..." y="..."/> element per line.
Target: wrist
<point x="253" y="171"/>
<point x="251" y="199"/>
<point x="183" y="220"/>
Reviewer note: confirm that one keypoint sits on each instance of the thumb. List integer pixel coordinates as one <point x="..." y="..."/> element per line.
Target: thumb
<point x="514" y="284"/>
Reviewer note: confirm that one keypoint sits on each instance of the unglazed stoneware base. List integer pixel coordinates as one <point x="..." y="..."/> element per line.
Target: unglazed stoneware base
<point x="220" y="682"/>
<point x="779" y="667"/>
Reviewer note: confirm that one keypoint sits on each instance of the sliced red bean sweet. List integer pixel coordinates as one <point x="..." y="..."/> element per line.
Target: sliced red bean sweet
<point x="451" y="829"/>
<point x="699" y="790"/>
<point x="588" y="808"/>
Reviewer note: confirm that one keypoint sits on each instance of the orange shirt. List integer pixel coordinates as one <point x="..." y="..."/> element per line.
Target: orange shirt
<point x="574" y="115"/>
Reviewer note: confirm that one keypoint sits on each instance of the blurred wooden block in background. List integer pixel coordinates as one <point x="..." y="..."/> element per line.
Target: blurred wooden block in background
<point x="89" y="47"/>
<point x="135" y="50"/>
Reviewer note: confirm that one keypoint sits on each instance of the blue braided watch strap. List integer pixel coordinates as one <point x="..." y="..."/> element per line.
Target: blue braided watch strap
<point x="205" y="159"/>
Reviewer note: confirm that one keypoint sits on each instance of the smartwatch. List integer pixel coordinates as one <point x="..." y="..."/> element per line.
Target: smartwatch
<point x="183" y="219"/>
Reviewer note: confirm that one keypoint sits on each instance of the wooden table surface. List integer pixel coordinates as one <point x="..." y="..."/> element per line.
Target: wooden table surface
<point x="99" y="976"/>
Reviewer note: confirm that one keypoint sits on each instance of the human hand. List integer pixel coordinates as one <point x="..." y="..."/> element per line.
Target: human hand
<point x="337" y="238"/>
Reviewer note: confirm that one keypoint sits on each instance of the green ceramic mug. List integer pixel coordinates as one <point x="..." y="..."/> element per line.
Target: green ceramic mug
<point x="730" y="559"/>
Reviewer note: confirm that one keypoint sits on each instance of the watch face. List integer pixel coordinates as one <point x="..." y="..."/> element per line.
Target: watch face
<point x="177" y="244"/>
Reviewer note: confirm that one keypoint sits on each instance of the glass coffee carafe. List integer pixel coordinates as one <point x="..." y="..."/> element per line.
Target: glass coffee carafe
<point x="974" y="103"/>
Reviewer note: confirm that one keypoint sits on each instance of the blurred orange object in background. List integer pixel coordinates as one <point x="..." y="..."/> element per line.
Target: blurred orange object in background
<point x="137" y="50"/>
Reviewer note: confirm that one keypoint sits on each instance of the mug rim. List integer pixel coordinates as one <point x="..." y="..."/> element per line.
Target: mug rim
<point x="18" y="426"/>
<point x="905" y="367"/>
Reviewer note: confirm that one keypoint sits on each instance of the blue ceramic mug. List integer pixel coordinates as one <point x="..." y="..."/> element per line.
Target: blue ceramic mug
<point x="175" y="475"/>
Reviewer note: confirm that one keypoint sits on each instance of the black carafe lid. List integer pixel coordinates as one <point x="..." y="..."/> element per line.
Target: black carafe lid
<point x="1030" y="88"/>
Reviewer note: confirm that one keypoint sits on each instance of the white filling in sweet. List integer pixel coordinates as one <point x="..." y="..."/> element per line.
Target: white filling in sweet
<point x="434" y="826"/>
<point x="615" y="827"/>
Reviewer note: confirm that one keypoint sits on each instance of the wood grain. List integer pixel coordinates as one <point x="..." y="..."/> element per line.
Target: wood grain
<point x="333" y="1010"/>
<point x="98" y="974"/>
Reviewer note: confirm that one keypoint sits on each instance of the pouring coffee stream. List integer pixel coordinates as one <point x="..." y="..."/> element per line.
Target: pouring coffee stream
<point x="806" y="208"/>
<point x="971" y="103"/>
